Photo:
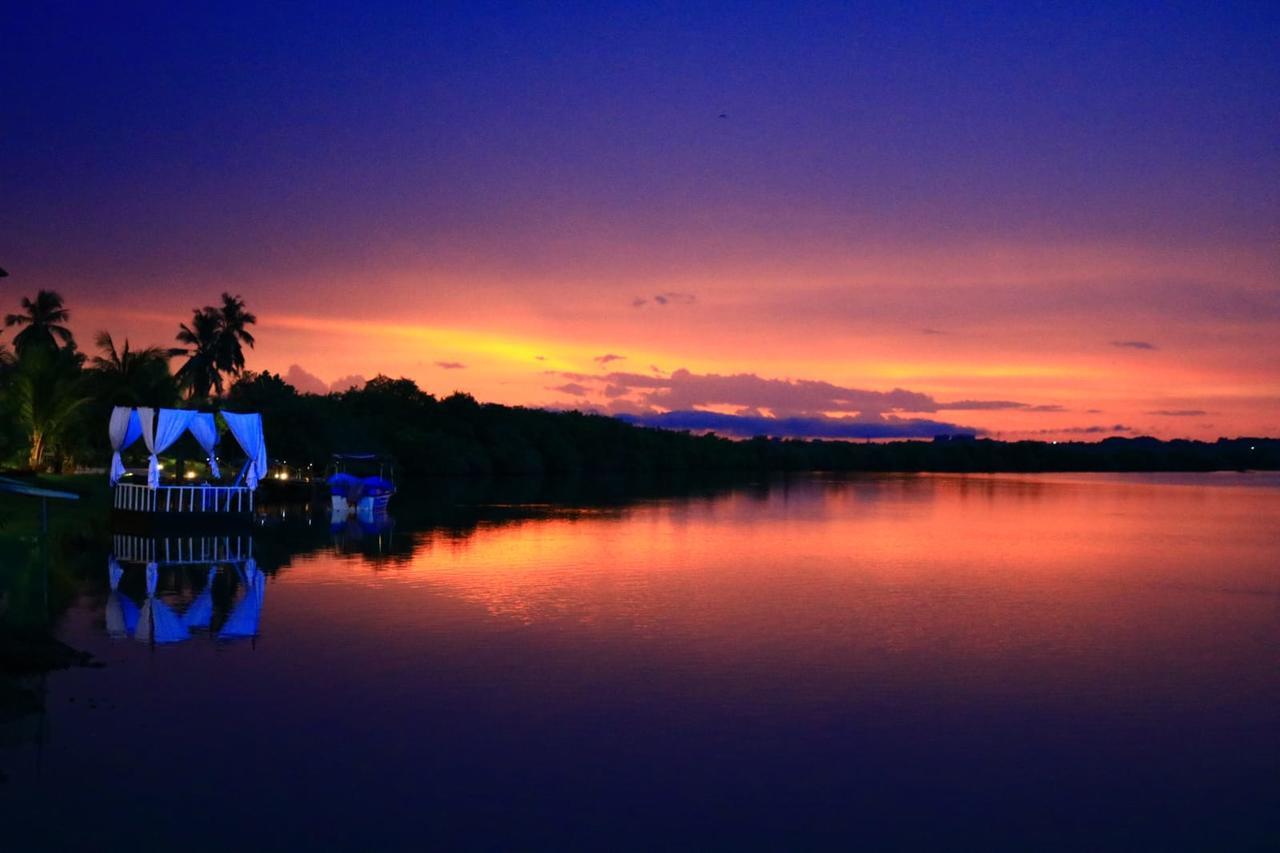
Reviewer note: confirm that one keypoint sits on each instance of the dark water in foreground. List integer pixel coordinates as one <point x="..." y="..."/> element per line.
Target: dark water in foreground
<point x="1013" y="662"/>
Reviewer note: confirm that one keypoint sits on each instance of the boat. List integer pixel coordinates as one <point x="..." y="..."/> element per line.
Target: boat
<point x="355" y="490"/>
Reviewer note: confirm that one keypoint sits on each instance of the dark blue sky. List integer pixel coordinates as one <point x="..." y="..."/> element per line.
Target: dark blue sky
<point x="207" y="125"/>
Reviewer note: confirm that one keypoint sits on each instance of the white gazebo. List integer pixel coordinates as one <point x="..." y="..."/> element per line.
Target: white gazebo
<point x="159" y="429"/>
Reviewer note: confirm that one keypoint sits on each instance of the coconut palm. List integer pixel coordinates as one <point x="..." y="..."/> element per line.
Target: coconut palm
<point x="43" y="318"/>
<point x="48" y="395"/>
<point x="233" y="333"/>
<point x="215" y="343"/>
<point x="131" y="377"/>
<point x="200" y="374"/>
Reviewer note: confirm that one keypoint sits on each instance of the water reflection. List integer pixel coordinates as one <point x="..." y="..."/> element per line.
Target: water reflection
<point x="362" y="532"/>
<point x="212" y="587"/>
<point x="814" y="663"/>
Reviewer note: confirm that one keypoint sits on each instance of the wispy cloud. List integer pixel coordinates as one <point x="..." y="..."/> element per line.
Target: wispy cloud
<point x="981" y="406"/>
<point x="747" y="426"/>
<point x="660" y="300"/>
<point x="1133" y="345"/>
<point x="1097" y="429"/>
<point x="572" y="388"/>
<point x="1179" y="413"/>
<point x="608" y="357"/>
<point x="450" y="365"/>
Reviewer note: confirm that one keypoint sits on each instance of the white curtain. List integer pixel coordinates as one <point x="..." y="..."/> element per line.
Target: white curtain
<point x="206" y="432"/>
<point x="147" y="423"/>
<point x="248" y="432"/>
<point x="160" y="431"/>
<point x="123" y="431"/>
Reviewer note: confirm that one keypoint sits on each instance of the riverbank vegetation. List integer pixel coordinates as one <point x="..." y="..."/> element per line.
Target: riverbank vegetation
<point x="56" y="402"/>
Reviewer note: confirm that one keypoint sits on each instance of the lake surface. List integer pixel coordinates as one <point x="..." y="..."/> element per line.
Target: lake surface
<point x="880" y="662"/>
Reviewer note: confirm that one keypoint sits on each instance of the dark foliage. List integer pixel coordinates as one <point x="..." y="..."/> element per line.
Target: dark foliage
<point x="457" y="436"/>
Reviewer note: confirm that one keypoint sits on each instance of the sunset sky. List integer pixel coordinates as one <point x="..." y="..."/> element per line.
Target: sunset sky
<point x="1042" y="220"/>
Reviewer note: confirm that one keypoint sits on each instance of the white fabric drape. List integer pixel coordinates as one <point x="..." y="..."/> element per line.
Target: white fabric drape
<point x="147" y="423"/>
<point x="160" y="431"/>
<point x="206" y="432"/>
<point x="123" y="431"/>
<point x="248" y="432"/>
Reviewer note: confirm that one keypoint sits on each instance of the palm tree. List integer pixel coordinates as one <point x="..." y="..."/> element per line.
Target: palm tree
<point x="132" y="377"/>
<point x="214" y="345"/>
<point x="44" y="318"/>
<point x="48" y="396"/>
<point x="200" y="374"/>
<point x="234" y="332"/>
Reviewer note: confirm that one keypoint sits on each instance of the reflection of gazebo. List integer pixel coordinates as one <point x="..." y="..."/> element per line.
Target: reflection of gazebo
<point x="155" y="621"/>
<point x="159" y="429"/>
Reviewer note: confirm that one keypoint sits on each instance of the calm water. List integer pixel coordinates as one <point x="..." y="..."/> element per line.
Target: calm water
<point x="884" y="662"/>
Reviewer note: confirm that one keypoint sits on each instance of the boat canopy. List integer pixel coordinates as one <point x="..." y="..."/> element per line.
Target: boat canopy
<point x="160" y="428"/>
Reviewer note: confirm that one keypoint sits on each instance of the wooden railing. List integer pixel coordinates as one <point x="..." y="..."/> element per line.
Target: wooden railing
<point x="185" y="499"/>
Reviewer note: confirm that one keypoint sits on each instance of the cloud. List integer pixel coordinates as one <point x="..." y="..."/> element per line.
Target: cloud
<point x="747" y="426"/>
<point x="982" y="405"/>
<point x="927" y="331"/>
<point x="673" y="298"/>
<point x="608" y="357"/>
<point x="684" y="390"/>
<point x="305" y="381"/>
<point x="661" y="300"/>
<point x="346" y="383"/>
<point x="1085" y="430"/>
<point x="1133" y="344"/>
<point x="450" y="365"/>
<point x="1179" y="413"/>
<point x="776" y="407"/>
<point x="572" y="388"/>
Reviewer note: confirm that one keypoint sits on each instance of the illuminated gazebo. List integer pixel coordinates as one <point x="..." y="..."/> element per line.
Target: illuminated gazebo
<point x="159" y="429"/>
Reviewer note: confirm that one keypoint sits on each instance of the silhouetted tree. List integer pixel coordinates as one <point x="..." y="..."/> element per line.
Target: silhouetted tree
<point x="43" y="319"/>
<point x="233" y="334"/>
<point x="128" y="377"/>
<point x="199" y="374"/>
<point x="48" y="394"/>
<point x="215" y="343"/>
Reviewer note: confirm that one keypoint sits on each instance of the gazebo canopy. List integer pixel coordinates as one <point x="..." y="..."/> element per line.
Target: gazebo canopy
<point x="160" y="428"/>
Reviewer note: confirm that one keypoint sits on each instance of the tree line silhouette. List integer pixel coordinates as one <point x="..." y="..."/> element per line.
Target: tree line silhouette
<point x="57" y="401"/>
